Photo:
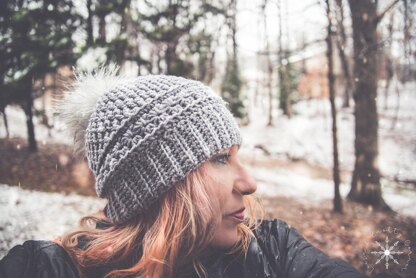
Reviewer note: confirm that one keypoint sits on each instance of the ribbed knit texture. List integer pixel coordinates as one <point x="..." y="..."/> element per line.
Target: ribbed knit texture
<point x="147" y="134"/>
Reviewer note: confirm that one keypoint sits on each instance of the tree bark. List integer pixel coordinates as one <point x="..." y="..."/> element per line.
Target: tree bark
<point x="341" y="44"/>
<point x="6" y="124"/>
<point x="280" y="54"/>
<point x="170" y="55"/>
<point x="102" y="32"/>
<point x="269" y="67"/>
<point x="283" y="69"/>
<point x="29" y="121"/>
<point x="365" y="186"/>
<point x="159" y="59"/>
<point x="388" y="67"/>
<point x="331" y="88"/>
<point x="407" y="36"/>
<point x="210" y="71"/>
<point x="90" y="33"/>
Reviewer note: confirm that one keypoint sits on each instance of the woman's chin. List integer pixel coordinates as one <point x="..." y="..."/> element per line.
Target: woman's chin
<point x="225" y="238"/>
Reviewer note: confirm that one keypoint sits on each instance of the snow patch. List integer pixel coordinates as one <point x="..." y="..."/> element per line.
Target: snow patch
<point x="308" y="136"/>
<point x="26" y="214"/>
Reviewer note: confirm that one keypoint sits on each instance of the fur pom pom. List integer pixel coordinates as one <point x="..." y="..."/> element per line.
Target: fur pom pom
<point x="78" y="104"/>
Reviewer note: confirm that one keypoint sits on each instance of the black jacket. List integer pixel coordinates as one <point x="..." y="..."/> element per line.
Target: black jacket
<point x="277" y="251"/>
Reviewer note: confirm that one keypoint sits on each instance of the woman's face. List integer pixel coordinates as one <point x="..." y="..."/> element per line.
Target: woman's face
<point x="229" y="181"/>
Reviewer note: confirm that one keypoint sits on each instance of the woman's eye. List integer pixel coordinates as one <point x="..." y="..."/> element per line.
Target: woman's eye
<point x="221" y="158"/>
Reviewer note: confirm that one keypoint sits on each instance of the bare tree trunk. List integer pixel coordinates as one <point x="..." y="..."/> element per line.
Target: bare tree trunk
<point x="153" y="59"/>
<point x="396" y="112"/>
<point x="6" y="124"/>
<point x="135" y="51"/>
<point x="169" y="57"/>
<point x="259" y="61"/>
<point x="287" y="109"/>
<point x="124" y="28"/>
<point x="159" y="59"/>
<point x="138" y="57"/>
<point x="170" y="53"/>
<point x="283" y="70"/>
<point x="389" y="71"/>
<point x="268" y="65"/>
<point x="210" y="74"/>
<point x="280" y="58"/>
<point x="29" y="120"/>
<point x="389" y="77"/>
<point x="287" y="74"/>
<point x="90" y="33"/>
<point x="341" y="45"/>
<point x="331" y="87"/>
<point x="44" y="115"/>
<point x="365" y="186"/>
<point x="407" y="38"/>
<point x="102" y="36"/>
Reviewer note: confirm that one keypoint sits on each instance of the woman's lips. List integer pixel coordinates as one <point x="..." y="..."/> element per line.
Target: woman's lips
<point x="238" y="215"/>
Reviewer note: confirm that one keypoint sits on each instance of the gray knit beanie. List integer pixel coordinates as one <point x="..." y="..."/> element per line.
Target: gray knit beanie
<point x="143" y="135"/>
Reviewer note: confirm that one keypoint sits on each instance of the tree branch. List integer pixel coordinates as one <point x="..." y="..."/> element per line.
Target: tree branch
<point x="383" y="13"/>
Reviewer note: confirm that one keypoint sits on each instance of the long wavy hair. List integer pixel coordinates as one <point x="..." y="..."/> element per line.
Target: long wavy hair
<point x="174" y="232"/>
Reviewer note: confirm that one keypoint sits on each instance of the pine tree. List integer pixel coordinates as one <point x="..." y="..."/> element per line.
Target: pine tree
<point x="35" y="40"/>
<point x="166" y="26"/>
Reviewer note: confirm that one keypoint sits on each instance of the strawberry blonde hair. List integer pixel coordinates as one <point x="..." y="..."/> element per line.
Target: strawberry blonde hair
<point x="174" y="232"/>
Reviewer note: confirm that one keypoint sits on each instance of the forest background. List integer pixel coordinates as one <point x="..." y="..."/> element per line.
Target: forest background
<point x="324" y="92"/>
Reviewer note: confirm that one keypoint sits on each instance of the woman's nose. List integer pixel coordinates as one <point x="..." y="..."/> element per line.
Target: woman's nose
<point x="245" y="183"/>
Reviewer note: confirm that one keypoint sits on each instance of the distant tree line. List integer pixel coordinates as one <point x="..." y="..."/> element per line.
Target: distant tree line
<point x="159" y="37"/>
<point x="368" y="47"/>
<point x="184" y="37"/>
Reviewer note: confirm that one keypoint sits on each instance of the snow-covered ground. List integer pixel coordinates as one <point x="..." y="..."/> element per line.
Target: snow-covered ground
<point x="26" y="214"/>
<point x="307" y="135"/>
<point x="311" y="191"/>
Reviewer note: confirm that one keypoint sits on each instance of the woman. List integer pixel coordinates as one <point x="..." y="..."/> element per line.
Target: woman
<point x="164" y="152"/>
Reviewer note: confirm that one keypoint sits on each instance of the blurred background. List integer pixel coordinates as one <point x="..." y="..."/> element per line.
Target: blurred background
<point x="324" y="92"/>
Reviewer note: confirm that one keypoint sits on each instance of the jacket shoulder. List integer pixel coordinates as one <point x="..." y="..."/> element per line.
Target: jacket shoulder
<point x="37" y="258"/>
<point x="272" y="225"/>
<point x="288" y="254"/>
